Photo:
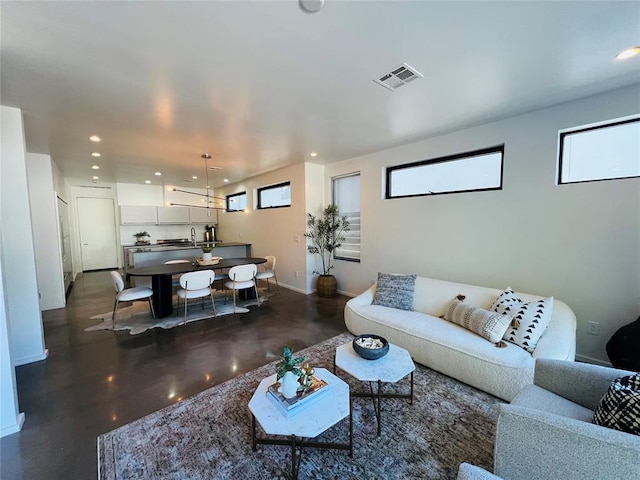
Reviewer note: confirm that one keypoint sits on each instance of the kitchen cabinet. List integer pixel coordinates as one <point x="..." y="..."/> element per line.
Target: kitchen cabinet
<point x="199" y="215"/>
<point x="173" y="215"/>
<point x="138" y="215"/>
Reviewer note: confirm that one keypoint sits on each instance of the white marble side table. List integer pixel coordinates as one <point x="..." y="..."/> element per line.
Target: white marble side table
<point x="391" y="368"/>
<point x="319" y="416"/>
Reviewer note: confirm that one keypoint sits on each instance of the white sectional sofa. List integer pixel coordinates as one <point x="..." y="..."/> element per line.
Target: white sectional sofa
<point x="455" y="351"/>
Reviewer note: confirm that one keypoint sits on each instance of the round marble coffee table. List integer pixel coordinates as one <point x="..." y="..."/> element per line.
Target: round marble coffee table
<point x="391" y="368"/>
<point x="311" y="421"/>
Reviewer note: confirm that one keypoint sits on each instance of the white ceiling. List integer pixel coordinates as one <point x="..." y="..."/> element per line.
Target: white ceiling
<point x="262" y="84"/>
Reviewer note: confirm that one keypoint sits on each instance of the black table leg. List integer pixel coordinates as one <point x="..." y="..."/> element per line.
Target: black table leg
<point x="162" y="295"/>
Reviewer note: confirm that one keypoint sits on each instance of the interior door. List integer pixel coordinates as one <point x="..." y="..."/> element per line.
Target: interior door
<point x="98" y="242"/>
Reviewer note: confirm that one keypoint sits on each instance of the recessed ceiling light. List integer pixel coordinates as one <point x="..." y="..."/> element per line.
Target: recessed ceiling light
<point x="194" y="177"/>
<point x="628" y="53"/>
<point x="95" y="177"/>
<point x="95" y="154"/>
<point x="94" y="138"/>
<point x="158" y="174"/>
<point x="147" y="182"/>
<point x="226" y="180"/>
<point x="95" y="167"/>
<point x="313" y="154"/>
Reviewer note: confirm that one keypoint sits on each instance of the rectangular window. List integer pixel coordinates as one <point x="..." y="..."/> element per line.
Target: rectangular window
<point x="346" y="196"/>
<point x="275" y="196"/>
<point x="463" y="172"/>
<point x="237" y="202"/>
<point x="607" y="151"/>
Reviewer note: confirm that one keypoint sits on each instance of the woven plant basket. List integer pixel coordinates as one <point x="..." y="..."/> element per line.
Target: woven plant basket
<point x="327" y="286"/>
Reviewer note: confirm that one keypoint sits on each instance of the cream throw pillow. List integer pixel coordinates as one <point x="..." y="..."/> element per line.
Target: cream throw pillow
<point x="490" y="325"/>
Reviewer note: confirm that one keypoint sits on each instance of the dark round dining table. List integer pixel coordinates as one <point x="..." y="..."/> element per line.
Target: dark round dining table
<point x="161" y="278"/>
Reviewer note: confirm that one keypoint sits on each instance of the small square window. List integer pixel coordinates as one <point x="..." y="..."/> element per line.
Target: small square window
<point x="237" y="202"/>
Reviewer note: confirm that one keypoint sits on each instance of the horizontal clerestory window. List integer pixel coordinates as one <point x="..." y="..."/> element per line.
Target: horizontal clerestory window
<point x="463" y="172"/>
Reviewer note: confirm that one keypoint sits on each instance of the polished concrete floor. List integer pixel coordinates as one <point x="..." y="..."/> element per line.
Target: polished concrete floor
<point x="93" y="382"/>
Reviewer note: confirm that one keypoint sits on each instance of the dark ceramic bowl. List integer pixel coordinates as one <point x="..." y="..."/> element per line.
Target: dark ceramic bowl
<point x="371" y="353"/>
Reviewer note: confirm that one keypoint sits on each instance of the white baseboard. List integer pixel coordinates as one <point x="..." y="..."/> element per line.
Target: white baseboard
<point x="34" y="358"/>
<point x="16" y="427"/>
<point x="594" y="361"/>
<point x="289" y="287"/>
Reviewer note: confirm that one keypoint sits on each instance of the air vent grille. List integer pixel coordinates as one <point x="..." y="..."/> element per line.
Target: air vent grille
<point x="398" y="77"/>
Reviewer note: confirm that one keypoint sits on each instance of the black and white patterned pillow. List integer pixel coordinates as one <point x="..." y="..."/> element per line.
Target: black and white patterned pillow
<point x="529" y="319"/>
<point x="395" y="291"/>
<point x="620" y="406"/>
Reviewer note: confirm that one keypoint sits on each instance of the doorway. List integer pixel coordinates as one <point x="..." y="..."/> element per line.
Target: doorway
<point x="98" y="241"/>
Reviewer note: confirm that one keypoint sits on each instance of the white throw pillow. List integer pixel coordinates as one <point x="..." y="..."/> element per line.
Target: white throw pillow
<point x="489" y="325"/>
<point x="530" y="319"/>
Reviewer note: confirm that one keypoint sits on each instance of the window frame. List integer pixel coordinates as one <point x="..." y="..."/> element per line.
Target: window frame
<point x="333" y="200"/>
<point x="230" y="196"/>
<point x="445" y="159"/>
<point x="601" y="125"/>
<point x="272" y="187"/>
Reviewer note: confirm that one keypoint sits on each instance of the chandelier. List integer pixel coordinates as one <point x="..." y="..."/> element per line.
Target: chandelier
<point x="210" y="198"/>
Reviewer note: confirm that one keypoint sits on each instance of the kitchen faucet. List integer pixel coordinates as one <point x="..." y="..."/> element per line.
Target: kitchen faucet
<point x="193" y="236"/>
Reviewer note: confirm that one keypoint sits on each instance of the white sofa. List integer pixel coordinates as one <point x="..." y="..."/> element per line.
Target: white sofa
<point x="455" y="351"/>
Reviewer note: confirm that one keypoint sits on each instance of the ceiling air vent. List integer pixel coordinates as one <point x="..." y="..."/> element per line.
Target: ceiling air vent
<point x="398" y="77"/>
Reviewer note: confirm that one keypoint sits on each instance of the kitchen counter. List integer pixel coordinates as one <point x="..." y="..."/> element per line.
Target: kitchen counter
<point x="187" y="246"/>
<point x="145" y="255"/>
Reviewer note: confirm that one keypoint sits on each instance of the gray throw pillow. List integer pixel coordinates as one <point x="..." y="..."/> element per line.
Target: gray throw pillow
<point x="395" y="291"/>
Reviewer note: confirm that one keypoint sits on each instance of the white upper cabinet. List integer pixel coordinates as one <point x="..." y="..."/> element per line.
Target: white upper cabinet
<point x="173" y="215"/>
<point x="138" y="215"/>
<point x="201" y="215"/>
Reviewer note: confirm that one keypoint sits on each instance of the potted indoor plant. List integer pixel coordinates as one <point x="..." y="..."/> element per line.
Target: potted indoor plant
<point x="206" y="252"/>
<point x="140" y="238"/>
<point x="326" y="235"/>
<point x="288" y="373"/>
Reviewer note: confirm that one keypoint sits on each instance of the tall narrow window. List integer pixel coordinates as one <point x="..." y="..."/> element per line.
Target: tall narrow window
<point x="346" y="195"/>
<point x="237" y="202"/>
<point x="462" y="172"/>
<point x="602" y="152"/>
<point x="275" y="196"/>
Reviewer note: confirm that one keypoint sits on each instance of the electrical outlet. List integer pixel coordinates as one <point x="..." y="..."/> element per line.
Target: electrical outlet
<point x="593" y="328"/>
<point x="295" y="274"/>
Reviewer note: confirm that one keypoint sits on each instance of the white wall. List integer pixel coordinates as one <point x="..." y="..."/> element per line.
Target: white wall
<point x="18" y="259"/>
<point x="11" y="419"/>
<point x="579" y="243"/>
<point x="271" y="231"/>
<point x="46" y="235"/>
<point x="315" y="202"/>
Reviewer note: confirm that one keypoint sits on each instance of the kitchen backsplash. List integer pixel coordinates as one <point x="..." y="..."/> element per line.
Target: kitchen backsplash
<point x="159" y="232"/>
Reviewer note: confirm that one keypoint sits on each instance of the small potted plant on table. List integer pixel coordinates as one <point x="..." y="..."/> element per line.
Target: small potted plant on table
<point x="207" y="256"/>
<point x="141" y="238"/>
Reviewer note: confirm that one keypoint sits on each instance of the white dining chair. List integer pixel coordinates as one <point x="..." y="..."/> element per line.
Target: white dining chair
<point x="196" y="285"/>
<point x="241" y="277"/>
<point x="128" y="295"/>
<point x="175" y="279"/>
<point x="269" y="272"/>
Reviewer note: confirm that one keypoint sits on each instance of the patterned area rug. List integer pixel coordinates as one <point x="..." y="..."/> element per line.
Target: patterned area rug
<point x="137" y="318"/>
<point x="208" y="436"/>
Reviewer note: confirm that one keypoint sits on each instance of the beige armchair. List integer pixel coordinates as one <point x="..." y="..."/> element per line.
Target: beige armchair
<point x="546" y="431"/>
